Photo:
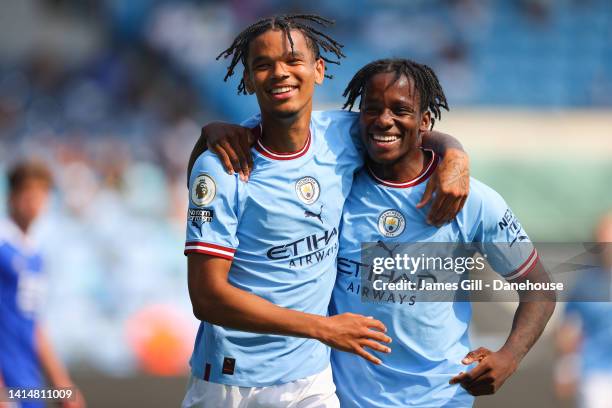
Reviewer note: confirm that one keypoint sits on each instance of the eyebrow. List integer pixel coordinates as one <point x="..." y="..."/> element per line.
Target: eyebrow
<point x="259" y="59"/>
<point x="262" y="58"/>
<point x="394" y="105"/>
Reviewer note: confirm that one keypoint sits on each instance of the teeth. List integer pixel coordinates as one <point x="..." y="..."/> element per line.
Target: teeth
<point x="281" y="90"/>
<point x="385" y="139"/>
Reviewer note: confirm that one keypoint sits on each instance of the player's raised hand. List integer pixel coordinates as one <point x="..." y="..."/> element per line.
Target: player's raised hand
<point x="489" y="375"/>
<point x="232" y="143"/>
<point x="353" y="333"/>
<point x="451" y="185"/>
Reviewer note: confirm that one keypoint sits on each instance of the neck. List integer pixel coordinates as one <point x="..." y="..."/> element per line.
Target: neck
<point x="285" y="135"/>
<point x="22" y="224"/>
<point x="406" y="168"/>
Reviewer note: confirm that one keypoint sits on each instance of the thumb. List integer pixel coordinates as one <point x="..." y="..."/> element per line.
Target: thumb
<point x="429" y="189"/>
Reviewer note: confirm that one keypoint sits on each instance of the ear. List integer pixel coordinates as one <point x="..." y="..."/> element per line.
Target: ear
<point x="319" y="71"/>
<point x="425" y="121"/>
<point x="248" y="83"/>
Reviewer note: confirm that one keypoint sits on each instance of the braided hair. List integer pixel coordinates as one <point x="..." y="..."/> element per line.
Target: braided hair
<point x="426" y="82"/>
<point x="316" y="40"/>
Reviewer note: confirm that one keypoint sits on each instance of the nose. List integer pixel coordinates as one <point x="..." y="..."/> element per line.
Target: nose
<point x="280" y="71"/>
<point x="384" y="120"/>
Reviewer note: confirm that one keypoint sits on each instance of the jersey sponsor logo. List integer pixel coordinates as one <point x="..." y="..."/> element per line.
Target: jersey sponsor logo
<point x="307" y="189"/>
<point x="391" y="223"/>
<point x="349" y="280"/>
<point x="203" y="190"/>
<point x="199" y="216"/>
<point x="511" y="224"/>
<point x="308" y="250"/>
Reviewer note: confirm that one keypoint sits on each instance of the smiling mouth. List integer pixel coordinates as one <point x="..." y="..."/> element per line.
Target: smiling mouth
<point x="282" y="90"/>
<point x="384" y="138"/>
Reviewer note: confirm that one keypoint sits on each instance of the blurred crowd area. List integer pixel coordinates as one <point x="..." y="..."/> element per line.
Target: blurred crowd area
<point x="112" y="95"/>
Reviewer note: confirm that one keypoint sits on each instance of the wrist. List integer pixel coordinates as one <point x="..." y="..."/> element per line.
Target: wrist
<point x="319" y="328"/>
<point x="512" y="355"/>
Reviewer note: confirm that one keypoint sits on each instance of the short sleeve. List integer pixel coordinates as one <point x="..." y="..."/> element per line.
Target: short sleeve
<point x="503" y="240"/>
<point x="355" y="134"/>
<point x="212" y="216"/>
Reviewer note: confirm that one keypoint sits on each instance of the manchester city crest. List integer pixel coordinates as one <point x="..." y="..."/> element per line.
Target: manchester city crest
<point x="307" y="190"/>
<point x="391" y="223"/>
<point x="203" y="190"/>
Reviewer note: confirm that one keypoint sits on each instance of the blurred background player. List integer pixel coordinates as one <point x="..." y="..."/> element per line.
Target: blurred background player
<point x="584" y="339"/>
<point x="26" y="355"/>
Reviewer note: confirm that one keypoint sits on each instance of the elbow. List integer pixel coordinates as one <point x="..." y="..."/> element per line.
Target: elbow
<point x="202" y="310"/>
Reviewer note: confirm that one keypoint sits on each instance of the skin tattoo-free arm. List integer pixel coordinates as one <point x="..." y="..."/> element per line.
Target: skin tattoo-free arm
<point x="530" y="319"/>
<point x="218" y="302"/>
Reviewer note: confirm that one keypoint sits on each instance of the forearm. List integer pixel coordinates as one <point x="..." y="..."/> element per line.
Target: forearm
<point x="238" y="309"/>
<point x="52" y="367"/>
<point x="440" y="142"/>
<point x="529" y="322"/>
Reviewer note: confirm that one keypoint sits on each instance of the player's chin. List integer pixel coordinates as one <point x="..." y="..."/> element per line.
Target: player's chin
<point x="383" y="158"/>
<point x="383" y="154"/>
<point x="286" y="111"/>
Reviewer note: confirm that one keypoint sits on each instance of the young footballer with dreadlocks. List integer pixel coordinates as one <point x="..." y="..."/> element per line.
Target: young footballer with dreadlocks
<point x="262" y="254"/>
<point x="400" y="99"/>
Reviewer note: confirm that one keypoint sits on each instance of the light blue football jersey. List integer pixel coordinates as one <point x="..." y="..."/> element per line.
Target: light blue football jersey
<point x="429" y="338"/>
<point x="280" y="229"/>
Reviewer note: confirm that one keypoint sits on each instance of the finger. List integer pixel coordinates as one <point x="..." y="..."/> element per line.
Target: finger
<point x="434" y="211"/>
<point x="458" y="207"/>
<point x="378" y="336"/>
<point x="375" y="346"/>
<point x="473" y="376"/>
<point x="481" y="389"/>
<point x="236" y="144"/>
<point x="246" y="153"/>
<point x="475" y="355"/>
<point x="429" y="189"/>
<point x="456" y="379"/>
<point x="362" y="353"/>
<point x="465" y="377"/>
<point x="225" y="160"/>
<point x="455" y="208"/>
<point x="446" y="210"/>
<point x="233" y="157"/>
<point x="375" y="324"/>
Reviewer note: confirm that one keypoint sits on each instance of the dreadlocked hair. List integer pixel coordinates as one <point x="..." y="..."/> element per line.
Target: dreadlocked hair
<point x="426" y="82"/>
<point x="316" y="40"/>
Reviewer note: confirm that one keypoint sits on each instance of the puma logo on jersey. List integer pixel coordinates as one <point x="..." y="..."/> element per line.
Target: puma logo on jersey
<point x="310" y="214"/>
